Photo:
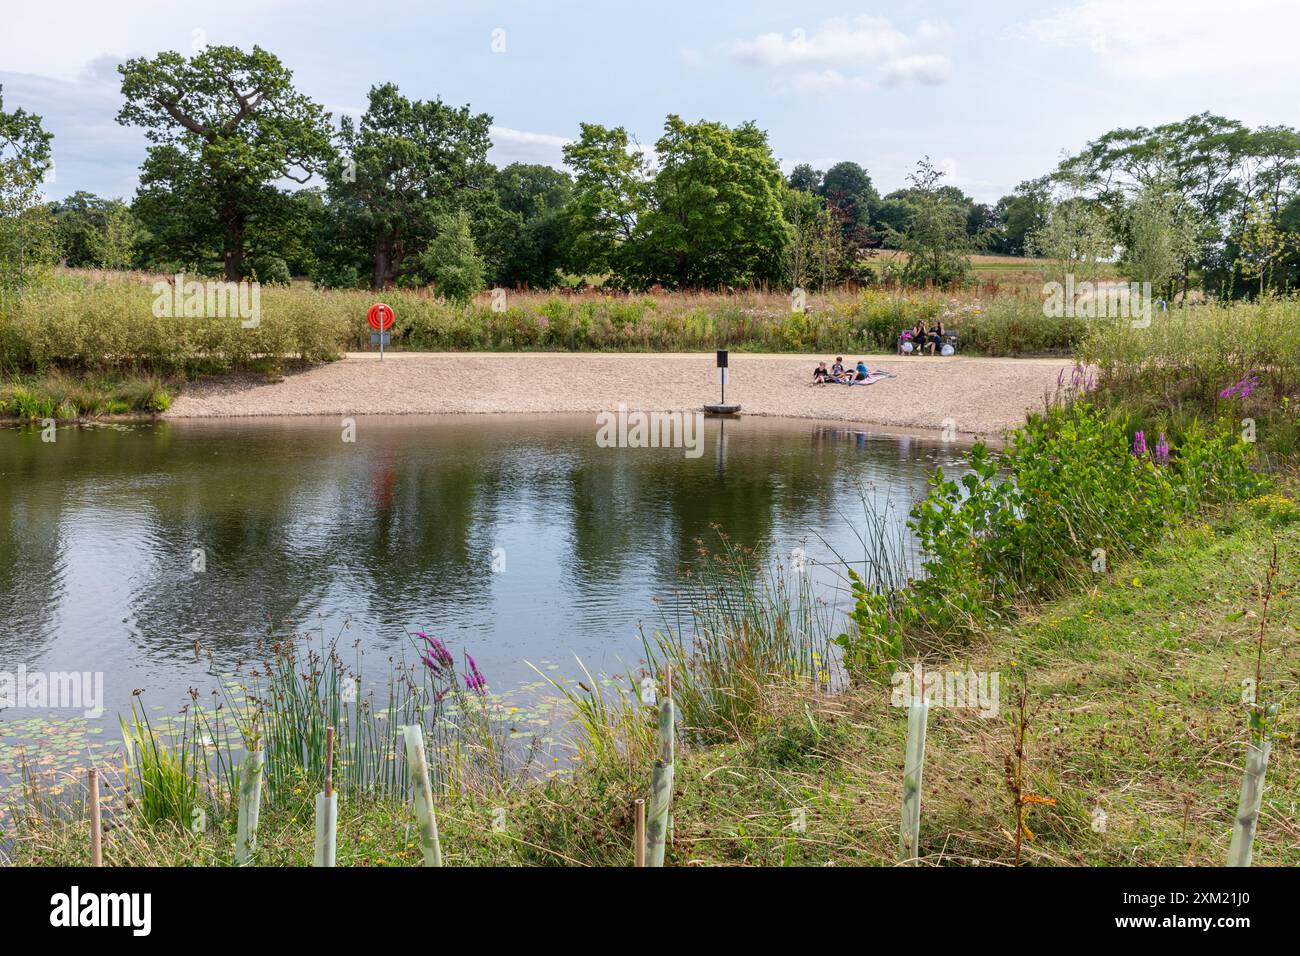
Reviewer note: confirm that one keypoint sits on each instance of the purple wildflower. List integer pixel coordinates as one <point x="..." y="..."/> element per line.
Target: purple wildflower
<point x="435" y="656"/>
<point x="1242" y="389"/>
<point x="475" y="680"/>
<point x="1139" y="444"/>
<point x="1162" y="450"/>
<point x="1060" y="377"/>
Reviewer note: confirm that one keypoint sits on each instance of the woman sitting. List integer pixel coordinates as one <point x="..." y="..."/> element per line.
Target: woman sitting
<point x="919" y="335"/>
<point x="935" y="339"/>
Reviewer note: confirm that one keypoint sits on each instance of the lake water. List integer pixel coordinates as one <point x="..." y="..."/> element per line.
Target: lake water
<point x="510" y="538"/>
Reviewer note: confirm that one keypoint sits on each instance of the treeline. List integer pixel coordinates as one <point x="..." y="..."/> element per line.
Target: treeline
<point x="248" y="178"/>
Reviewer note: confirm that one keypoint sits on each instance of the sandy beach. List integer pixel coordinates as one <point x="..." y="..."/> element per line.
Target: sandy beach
<point x="981" y="396"/>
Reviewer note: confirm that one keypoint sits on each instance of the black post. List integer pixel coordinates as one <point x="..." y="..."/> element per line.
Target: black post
<point x="722" y="374"/>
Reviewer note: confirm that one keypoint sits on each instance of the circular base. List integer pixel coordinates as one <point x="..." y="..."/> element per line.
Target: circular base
<point x="721" y="408"/>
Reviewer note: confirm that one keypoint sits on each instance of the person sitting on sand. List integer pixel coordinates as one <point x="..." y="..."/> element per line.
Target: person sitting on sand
<point x="863" y="375"/>
<point x="935" y="339"/>
<point x="821" y="374"/>
<point x="837" y="370"/>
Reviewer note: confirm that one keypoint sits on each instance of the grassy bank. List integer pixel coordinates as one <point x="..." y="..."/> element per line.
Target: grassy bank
<point x="1135" y="720"/>
<point x="67" y="396"/>
<point x="1236" y="367"/>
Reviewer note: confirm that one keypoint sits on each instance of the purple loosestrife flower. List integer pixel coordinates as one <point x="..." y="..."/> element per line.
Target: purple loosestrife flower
<point x="1060" y="377"/>
<point x="1162" y="450"/>
<point x="1139" y="444"/>
<point x="1242" y="389"/>
<point x="475" y="680"/>
<point x="435" y="656"/>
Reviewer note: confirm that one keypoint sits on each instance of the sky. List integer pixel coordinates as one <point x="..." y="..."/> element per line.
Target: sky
<point x="994" y="92"/>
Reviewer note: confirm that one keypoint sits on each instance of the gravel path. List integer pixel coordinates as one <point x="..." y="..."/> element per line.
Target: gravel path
<point x="982" y="396"/>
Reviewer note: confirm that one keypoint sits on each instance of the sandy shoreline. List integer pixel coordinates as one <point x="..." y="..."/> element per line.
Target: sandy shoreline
<point x="981" y="396"/>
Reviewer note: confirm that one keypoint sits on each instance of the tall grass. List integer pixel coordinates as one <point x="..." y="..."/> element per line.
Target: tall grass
<point x="1236" y="364"/>
<point x="102" y="321"/>
<point x="284" y="704"/>
<point x="751" y="629"/>
<point x="162" y="777"/>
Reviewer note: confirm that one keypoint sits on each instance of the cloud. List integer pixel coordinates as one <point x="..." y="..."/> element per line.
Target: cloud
<point x="1170" y="39"/>
<point x="857" y="53"/>
<point x="521" y="146"/>
<point x="91" y="150"/>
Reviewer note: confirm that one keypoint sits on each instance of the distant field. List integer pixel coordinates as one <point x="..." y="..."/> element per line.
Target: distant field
<point x="1005" y="270"/>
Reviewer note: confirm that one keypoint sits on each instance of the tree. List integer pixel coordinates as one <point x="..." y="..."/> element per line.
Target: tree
<point x="113" y="243"/>
<point x="1261" y="243"/>
<point x="847" y="190"/>
<point x="1162" y="237"/>
<point x="225" y="126"/>
<point x="76" y="219"/>
<point x="610" y="195"/>
<point x="715" y="216"/>
<point x="528" y="242"/>
<point x="802" y="211"/>
<point x="450" y="262"/>
<point x="406" y="165"/>
<point x="26" y="228"/>
<point x="935" y="239"/>
<point x="805" y="179"/>
<point x="1020" y="214"/>
<point x="1076" y="237"/>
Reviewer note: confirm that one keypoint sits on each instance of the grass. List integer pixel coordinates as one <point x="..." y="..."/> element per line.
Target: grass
<point x="104" y="321"/>
<point x="67" y="395"/>
<point x="1135" y="713"/>
<point x="1183" y="368"/>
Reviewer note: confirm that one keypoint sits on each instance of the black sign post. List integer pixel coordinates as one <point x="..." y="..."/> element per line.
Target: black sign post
<point x="722" y="373"/>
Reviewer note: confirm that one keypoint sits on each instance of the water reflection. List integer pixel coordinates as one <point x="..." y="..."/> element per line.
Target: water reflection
<point x="101" y="530"/>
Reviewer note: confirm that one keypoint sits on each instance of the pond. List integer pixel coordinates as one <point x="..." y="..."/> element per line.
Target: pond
<point x="512" y="538"/>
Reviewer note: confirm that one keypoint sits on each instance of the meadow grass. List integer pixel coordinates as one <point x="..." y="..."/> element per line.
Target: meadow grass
<point x="100" y="321"/>
<point x="1234" y="365"/>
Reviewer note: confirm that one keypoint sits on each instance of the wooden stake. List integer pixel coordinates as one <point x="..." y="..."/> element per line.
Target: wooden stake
<point x="327" y="806"/>
<point x="329" y="761"/>
<point x="638" y="842"/>
<point x="96" y="834"/>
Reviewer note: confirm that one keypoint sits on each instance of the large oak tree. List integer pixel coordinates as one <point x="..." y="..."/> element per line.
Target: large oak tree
<point x="405" y="167"/>
<point x="226" y="126"/>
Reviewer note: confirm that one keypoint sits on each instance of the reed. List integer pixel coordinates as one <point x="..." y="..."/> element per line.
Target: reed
<point x="161" y="776"/>
<point x="740" y="629"/>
